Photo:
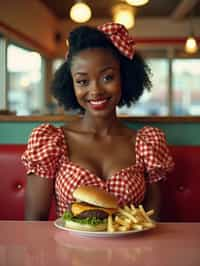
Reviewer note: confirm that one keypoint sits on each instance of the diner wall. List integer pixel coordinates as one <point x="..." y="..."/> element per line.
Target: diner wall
<point x="29" y="23"/>
<point x="177" y="133"/>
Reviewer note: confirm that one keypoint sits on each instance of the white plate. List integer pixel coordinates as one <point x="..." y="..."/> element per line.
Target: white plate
<point x="59" y="223"/>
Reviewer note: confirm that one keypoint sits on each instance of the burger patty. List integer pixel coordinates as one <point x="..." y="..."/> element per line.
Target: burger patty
<point x="90" y="213"/>
<point x="93" y="213"/>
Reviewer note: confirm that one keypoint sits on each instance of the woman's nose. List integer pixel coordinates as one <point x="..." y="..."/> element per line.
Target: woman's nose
<point x="97" y="88"/>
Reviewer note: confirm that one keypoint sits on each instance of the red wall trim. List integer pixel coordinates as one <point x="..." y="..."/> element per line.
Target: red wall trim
<point x="27" y="39"/>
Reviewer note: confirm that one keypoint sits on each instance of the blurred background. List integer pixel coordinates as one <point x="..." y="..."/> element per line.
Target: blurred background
<point x="33" y="37"/>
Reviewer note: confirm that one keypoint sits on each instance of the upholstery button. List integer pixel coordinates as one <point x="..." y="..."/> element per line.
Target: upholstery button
<point x="181" y="188"/>
<point x="19" y="186"/>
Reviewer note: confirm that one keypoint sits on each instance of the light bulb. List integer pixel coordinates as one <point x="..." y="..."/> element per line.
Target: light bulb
<point x="137" y="2"/>
<point x="191" y="45"/>
<point x="123" y="14"/>
<point x="80" y="12"/>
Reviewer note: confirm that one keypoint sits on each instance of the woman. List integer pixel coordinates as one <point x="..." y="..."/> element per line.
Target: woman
<point x="101" y="71"/>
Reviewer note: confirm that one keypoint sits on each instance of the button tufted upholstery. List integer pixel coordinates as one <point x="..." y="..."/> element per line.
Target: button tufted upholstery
<point x="12" y="183"/>
<point x="181" y="192"/>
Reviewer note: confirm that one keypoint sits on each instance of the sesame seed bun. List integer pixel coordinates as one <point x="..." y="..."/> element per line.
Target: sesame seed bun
<point x="95" y="196"/>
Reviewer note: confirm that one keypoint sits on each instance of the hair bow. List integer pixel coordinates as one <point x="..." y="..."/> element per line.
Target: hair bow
<point x="120" y="38"/>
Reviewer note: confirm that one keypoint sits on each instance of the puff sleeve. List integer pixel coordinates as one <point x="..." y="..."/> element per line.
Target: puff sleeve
<point x="153" y="151"/>
<point x="43" y="151"/>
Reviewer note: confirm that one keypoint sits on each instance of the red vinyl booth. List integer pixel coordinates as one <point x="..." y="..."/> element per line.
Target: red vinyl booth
<point x="181" y="193"/>
<point x="13" y="181"/>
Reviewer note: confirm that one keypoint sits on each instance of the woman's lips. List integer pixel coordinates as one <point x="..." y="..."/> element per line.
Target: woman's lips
<point x="99" y="104"/>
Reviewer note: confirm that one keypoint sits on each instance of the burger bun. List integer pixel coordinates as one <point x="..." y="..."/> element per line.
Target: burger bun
<point x="95" y="196"/>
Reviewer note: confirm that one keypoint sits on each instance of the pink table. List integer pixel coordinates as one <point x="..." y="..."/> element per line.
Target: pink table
<point x="40" y="243"/>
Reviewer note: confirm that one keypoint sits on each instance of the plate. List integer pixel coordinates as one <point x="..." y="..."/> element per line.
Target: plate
<point x="59" y="223"/>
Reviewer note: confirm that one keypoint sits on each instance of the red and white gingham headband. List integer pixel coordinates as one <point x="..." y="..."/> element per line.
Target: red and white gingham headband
<point x="120" y="38"/>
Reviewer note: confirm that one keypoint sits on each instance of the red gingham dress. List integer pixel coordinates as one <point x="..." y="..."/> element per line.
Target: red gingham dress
<point x="47" y="156"/>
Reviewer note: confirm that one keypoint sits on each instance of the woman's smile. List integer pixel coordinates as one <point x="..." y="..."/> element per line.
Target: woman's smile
<point x="99" y="104"/>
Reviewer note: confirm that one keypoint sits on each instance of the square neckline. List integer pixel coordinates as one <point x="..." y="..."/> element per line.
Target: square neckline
<point x="89" y="172"/>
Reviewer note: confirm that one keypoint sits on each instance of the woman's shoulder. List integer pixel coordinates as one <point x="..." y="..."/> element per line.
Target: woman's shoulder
<point x="44" y="148"/>
<point x="46" y="133"/>
<point x="152" y="147"/>
<point x="151" y="137"/>
<point x="150" y="133"/>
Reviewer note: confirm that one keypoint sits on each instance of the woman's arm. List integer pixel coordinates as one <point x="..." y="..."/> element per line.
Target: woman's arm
<point x="38" y="197"/>
<point x="153" y="199"/>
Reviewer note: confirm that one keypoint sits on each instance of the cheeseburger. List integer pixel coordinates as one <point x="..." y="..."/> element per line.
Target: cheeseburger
<point x="90" y="210"/>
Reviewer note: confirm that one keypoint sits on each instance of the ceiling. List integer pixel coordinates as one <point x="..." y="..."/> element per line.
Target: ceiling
<point x="176" y="9"/>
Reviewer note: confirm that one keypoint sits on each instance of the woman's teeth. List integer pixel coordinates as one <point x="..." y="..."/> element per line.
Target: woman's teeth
<point x="98" y="102"/>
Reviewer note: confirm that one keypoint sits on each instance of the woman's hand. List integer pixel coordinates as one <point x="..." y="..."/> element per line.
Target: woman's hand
<point x="38" y="197"/>
<point x="153" y="199"/>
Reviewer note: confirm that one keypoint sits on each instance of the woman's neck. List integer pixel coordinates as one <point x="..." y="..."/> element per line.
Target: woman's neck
<point x="100" y="126"/>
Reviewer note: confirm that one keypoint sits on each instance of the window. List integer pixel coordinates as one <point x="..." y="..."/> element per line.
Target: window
<point x="154" y="102"/>
<point x="182" y="73"/>
<point x="186" y="86"/>
<point x="25" y="83"/>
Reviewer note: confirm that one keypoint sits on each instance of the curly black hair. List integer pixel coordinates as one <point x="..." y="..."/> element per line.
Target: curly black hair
<point x="135" y="73"/>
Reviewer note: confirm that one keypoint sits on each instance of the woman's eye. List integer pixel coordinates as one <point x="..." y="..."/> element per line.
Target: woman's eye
<point x="108" y="78"/>
<point x="83" y="82"/>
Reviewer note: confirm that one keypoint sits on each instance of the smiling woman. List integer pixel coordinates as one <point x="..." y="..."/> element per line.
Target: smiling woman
<point x="102" y="71"/>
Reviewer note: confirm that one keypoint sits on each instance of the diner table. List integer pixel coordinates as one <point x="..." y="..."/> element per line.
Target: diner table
<point x="40" y="243"/>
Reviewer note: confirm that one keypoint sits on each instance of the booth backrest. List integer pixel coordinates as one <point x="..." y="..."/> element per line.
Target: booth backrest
<point x="181" y="191"/>
<point x="12" y="183"/>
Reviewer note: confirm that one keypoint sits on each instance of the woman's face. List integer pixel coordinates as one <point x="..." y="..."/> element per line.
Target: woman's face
<point x="96" y="79"/>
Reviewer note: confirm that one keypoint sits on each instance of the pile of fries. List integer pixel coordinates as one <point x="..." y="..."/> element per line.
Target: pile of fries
<point x="130" y="218"/>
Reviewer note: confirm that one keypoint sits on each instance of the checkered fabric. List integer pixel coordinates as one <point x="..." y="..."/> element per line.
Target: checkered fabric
<point x="120" y="37"/>
<point x="47" y="156"/>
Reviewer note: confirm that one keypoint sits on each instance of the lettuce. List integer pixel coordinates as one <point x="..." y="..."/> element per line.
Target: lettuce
<point x="68" y="216"/>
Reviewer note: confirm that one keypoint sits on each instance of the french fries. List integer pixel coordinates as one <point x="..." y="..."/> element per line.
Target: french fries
<point x="130" y="218"/>
<point x="111" y="227"/>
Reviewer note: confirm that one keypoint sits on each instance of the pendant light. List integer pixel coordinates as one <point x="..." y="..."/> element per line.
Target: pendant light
<point x="137" y="2"/>
<point x="124" y="14"/>
<point x="191" y="45"/>
<point x="80" y="12"/>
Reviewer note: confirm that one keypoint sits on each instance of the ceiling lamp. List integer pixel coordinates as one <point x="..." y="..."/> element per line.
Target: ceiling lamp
<point x="124" y="14"/>
<point x="80" y="12"/>
<point x="137" y="2"/>
<point x="191" y="46"/>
